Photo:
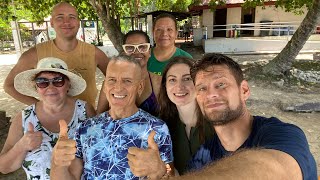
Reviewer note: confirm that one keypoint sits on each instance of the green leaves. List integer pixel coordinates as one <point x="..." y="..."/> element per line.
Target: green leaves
<point x="295" y="6"/>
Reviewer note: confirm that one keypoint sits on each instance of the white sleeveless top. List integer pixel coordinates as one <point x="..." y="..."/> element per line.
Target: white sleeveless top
<point x="37" y="162"/>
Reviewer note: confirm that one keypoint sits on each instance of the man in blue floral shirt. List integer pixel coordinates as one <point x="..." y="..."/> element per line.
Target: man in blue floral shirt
<point x="101" y="143"/>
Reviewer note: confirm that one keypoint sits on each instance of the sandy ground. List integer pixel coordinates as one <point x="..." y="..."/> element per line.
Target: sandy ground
<point x="265" y="100"/>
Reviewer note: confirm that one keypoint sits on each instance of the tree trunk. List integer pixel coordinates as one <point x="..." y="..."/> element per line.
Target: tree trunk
<point x="284" y="60"/>
<point x="110" y="25"/>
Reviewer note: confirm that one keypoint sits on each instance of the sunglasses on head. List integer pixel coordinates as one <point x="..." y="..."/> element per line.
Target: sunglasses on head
<point x="131" y="48"/>
<point x="44" y="82"/>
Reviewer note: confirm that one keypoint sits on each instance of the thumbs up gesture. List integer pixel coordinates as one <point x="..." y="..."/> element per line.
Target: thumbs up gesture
<point x="31" y="140"/>
<point x="146" y="162"/>
<point x="65" y="149"/>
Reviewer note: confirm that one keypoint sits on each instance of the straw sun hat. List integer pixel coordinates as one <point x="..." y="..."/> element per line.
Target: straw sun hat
<point x="24" y="81"/>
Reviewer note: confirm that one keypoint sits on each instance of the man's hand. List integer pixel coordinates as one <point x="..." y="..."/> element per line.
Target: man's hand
<point x="65" y="149"/>
<point x="31" y="140"/>
<point x="146" y="162"/>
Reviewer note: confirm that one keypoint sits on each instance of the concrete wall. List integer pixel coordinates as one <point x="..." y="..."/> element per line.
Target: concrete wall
<point x="271" y="13"/>
<point x="234" y="15"/>
<point x="207" y="20"/>
<point x="252" y="45"/>
<point x="276" y="15"/>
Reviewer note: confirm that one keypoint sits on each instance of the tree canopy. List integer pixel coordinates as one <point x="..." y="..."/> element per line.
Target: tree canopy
<point x="295" y="6"/>
<point x="111" y="11"/>
<point x="108" y="11"/>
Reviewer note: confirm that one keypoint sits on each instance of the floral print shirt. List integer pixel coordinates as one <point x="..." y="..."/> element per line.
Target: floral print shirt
<point x="37" y="162"/>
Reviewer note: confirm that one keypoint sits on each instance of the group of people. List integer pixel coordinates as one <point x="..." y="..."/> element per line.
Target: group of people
<point x="160" y="113"/>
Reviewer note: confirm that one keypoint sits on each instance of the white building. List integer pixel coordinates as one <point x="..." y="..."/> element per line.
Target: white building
<point x="261" y="29"/>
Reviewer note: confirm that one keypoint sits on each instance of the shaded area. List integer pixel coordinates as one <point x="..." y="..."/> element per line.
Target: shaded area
<point x="306" y="107"/>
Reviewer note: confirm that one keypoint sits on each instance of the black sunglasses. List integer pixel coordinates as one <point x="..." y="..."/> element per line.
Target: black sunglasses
<point x="44" y="82"/>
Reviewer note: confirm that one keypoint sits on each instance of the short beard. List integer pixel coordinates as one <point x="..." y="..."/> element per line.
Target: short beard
<point x="225" y="117"/>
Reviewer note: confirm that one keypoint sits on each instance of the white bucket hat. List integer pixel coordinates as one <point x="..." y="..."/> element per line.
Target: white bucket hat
<point x="24" y="81"/>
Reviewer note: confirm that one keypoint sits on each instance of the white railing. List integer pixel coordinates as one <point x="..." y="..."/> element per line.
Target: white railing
<point x="257" y="29"/>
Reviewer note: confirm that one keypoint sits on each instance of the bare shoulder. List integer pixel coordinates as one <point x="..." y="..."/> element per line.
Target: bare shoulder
<point x="28" y="59"/>
<point x="102" y="60"/>
<point x="99" y="54"/>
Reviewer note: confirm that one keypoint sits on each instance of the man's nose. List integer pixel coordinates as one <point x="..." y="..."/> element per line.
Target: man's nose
<point x="66" y="20"/>
<point x="212" y="92"/>
<point x="118" y="85"/>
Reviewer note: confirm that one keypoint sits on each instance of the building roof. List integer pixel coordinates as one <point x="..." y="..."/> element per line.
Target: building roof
<point x="206" y="2"/>
<point x="179" y="15"/>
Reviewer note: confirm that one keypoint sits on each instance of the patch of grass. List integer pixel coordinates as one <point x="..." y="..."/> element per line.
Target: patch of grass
<point x="254" y="72"/>
<point x="305" y="65"/>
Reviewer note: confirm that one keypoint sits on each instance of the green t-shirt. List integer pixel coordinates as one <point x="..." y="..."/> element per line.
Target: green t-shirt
<point x="157" y="67"/>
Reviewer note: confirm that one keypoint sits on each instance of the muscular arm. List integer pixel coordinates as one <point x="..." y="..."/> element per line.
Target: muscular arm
<point x="103" y="104"/>
<point x="28" y="60"/>
<point x="101" y="60"/>
<point x="251" y="164"/>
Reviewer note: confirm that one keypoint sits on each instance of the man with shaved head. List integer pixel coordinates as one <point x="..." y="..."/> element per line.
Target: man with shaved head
<point x="82" y="57"/>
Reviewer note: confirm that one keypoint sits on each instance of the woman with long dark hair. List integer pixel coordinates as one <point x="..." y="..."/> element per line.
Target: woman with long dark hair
<point x="179" y="109"/>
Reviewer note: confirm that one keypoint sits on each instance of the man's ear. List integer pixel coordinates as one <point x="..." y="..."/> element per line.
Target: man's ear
<point x="244" y="90"/>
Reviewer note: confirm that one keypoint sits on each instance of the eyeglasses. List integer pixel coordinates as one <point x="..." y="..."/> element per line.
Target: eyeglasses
<point x="131" y="48"/>
<point x="44" y="82"/>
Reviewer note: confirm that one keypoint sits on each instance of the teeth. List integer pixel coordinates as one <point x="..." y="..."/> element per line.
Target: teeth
<point x="120" y="97"/>
<point x="181" y="94"/>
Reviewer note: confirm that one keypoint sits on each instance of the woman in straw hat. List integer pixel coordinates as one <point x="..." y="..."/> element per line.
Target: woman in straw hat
<point x="34" y="132"/>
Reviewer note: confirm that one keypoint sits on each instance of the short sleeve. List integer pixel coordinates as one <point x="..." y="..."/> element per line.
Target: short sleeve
<point x="78" y="143"/>
<point x="290" y="139"/>
<point x="163" y="139"/>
